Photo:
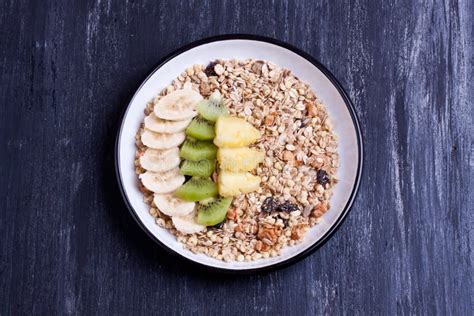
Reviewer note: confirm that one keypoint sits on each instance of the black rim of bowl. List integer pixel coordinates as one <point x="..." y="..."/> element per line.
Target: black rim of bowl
<point x="349" y="106"/>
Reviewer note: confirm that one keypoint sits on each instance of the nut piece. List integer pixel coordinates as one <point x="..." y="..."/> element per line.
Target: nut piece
<point x="269" y="234"/>
<point x="269" y="119"/>
<point x="231" y="214"/>
<point x="320" y="209"/>
<point x="297" y="232"/>
<point x="288" y="156"/>
<point x="312" y="110"/>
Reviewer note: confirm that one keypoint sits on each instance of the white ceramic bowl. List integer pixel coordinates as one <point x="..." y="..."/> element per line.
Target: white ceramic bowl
<point x="322" y="82"/>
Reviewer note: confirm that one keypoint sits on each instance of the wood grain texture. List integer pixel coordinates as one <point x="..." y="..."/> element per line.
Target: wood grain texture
<point x="67" y="242"/>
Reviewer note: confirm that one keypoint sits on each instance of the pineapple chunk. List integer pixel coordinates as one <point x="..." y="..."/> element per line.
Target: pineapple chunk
<point x="234" y="132"/>
<point x="236" y="183"/>
<point x="239" y="159"/>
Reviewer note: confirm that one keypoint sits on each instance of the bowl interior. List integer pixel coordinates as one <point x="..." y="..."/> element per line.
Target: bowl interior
<point x="324" y="88"/>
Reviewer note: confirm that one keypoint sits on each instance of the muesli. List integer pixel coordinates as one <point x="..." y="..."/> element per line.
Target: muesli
<point x="237" y="159"/>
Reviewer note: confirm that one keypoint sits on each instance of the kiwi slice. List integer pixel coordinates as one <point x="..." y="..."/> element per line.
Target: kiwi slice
<point x="213" y="212"/>
<point x="196" y="150"/>
<point x="212" y="108"/>
<point x="202" y="168"/>
<point x="197" y="189"/>
<point x="201" y="129"/>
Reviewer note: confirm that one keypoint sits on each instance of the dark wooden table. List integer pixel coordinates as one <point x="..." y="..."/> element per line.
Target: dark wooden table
<point x="67" y="242"/>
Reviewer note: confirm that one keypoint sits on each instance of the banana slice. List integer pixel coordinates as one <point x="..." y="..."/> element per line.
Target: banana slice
<point x="155" y="124"/>
<point x="187" y="224"/>
<point x="162" y="182"/>
<point x="160" y="160"/>
<point x="162" y="141"/>
<point x="172" y="206"/>
<point x="178" y="105"/>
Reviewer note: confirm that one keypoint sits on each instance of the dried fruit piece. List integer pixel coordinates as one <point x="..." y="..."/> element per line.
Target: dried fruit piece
<point x="209" y="71"/>
<point x="287" y="207"/>
<point x="269" y="205"/>
<point x="322" y="177"/>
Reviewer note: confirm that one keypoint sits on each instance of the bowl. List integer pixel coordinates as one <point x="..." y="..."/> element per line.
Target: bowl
<point x="323" y="83"/>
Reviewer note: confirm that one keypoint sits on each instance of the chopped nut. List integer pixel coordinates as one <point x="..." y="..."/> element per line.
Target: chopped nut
<point x="297" y="232"/>
<point x="288" y="156"/>
<point x="231" y="214"/>
<point x="269" y="119"/>
<point x="312" y="110"/>
<point x="320" y="209"/>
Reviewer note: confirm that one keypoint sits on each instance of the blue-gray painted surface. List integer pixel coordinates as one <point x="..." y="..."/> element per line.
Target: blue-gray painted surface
<point x="67" y="242"/>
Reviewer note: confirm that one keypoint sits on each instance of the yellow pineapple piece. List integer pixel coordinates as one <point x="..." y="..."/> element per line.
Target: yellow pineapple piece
<point x="236" y="183"/>
<point x="239" y="159"/>
<point x="234" y="132"/>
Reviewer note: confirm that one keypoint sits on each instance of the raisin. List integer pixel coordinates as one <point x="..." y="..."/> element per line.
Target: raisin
<point x="269" y="205"/>
<point x="209" y="71"/>
<point x="322" y="177"/>
<point x="287" y="207"/>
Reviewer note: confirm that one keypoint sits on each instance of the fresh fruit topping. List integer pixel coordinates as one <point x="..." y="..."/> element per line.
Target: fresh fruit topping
<point x="322" y="177"/>
<point x="213" y="212"/>
<point x="202" y="168"/>
<point x="178" y="105"/>
<point x="187" y="224"/>
<point x="212" y="108"/>
<point x="160" y="160"/>
<point x="234" y="132"/>
<point x="201" y="129"/>
<point x="155" y="124"/>
<point x="162" y="141"/>
<point x="197" y="189"/>
<point x="235" y="183"/>
<point x="198" y="150"/>
<point x="162" y="182"/>
<point x="170" y="205"/>
<point x="239" y="159"/>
